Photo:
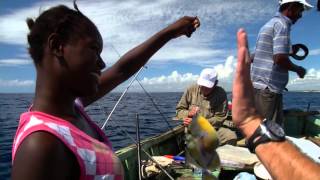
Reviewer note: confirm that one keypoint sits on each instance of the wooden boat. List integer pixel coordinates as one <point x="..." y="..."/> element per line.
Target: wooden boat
<point x="297" y="124"/>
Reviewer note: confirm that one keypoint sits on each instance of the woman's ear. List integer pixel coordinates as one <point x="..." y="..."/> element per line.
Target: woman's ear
<point x="55" y="45"/>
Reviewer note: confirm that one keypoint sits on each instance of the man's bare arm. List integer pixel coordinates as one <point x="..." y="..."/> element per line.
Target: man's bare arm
<point x="284" y="62"/>
<point x="282" y="159"/>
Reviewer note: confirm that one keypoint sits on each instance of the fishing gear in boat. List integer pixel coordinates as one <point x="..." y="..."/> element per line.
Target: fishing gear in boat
<point x="296" y="49"/>
<point x="138" y="144"/>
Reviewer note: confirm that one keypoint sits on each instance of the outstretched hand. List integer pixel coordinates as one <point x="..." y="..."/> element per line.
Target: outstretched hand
<point x="184" y="26"/>
<point x="243" y="110"/>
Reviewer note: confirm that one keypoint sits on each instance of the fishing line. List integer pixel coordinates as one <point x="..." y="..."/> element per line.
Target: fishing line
<point x="121" y="130"/>
<point x="135" y="78"/>
<point x="124" y="92"/>
<point x="158" y="109"/>
<point x="155" y="105"/>
<point x="152" y="100"/>
<point x="126" y="133"/>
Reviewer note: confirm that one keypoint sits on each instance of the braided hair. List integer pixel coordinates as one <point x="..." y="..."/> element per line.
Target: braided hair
<point x="65" y="22"/>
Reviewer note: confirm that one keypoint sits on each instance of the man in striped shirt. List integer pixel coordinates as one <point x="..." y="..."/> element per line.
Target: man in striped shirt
<point x="271" y="63"/>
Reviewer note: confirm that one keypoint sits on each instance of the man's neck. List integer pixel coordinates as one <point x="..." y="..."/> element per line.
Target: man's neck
<point x="286" y="15"/>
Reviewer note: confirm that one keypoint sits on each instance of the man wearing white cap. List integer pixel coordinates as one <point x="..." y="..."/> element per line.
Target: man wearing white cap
<point x="210" y="101"/>
<point x="271" y="63"/>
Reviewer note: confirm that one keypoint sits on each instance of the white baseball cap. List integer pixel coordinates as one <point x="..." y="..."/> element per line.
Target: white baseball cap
<point x="307" y="6"/>
<point x="207" y="77"/>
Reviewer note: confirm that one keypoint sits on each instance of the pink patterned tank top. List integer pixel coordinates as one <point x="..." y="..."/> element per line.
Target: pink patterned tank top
<point x="96" y="159"/>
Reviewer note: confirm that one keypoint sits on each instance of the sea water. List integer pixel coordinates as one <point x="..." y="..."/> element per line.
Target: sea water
<point x="152" y="122"/>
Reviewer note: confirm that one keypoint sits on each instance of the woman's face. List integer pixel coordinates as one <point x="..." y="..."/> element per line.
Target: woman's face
<point x="83" y="64"/>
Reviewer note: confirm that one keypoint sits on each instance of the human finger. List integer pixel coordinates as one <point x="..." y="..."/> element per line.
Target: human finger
<point x="190" y="30"/>
<point x="196" y="22"/>
<point x="242" y="97"/>
<point x="194" y="110"/>
<point x="243" y="64"/>
<point x="187" y="121"/>
<point x="197" y="109"/>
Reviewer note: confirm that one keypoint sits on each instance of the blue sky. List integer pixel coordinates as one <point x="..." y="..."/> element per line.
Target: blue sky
<point x="124" y="24"/>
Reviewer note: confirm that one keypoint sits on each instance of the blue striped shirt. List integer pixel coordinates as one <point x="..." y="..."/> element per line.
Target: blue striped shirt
<point x="273" y="38"/>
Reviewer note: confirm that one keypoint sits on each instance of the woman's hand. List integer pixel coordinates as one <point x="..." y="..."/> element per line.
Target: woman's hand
<point x="184" y="26"/>
<point x="134" y="59"/>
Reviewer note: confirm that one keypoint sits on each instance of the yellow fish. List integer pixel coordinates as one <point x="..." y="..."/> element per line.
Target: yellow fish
<point x="201" y="143"/>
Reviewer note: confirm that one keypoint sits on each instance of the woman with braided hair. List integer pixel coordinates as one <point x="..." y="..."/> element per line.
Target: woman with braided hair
<point x="55" y="138"/>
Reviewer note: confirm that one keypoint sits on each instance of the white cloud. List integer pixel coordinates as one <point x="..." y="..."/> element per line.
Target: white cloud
<point x="174" y="82"/>
<point x="124" y="24"/>
<point x="311" y="81"/>
<point x="16" y="83"/>
<point x="14" y="62"/>
<point x="174" y="77"/>
<point x="179" y="82"/>
<point x="225" y="71"/>
<point x="13" y="26"/>
<point x="314" y="52"/>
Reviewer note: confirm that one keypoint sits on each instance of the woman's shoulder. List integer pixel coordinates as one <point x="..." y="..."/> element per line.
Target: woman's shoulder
<point x="42" y="144"/>
<point x="43" y="151"/>
<point x="35" y="127"/>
